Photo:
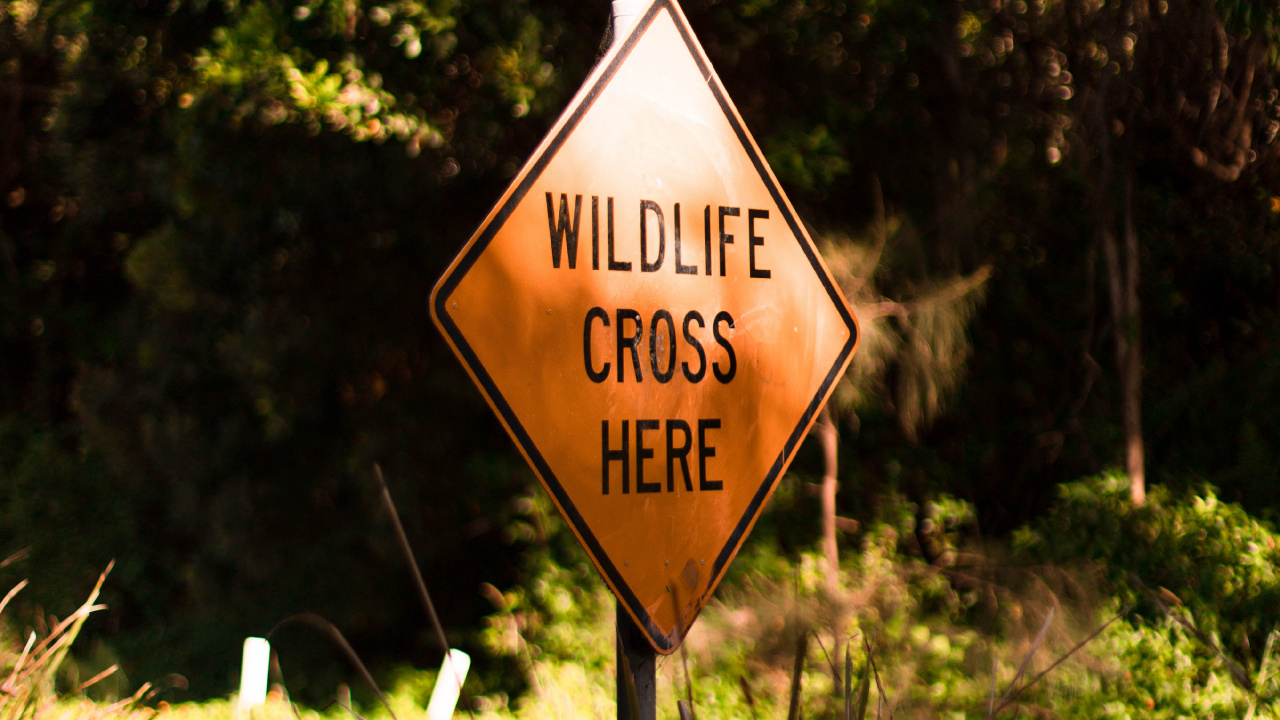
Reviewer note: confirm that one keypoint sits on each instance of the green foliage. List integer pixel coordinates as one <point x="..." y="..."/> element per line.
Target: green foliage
<point x="1166" y="673"/>
<point x="556" y="628"/>
<point x="934" y="651"/>
<point x="219" y="222"/>
<point x="562" y="595"/>
<point x="808" y="158"/>
<point x="934" y="654"/>
<point x="1211" y="555"/>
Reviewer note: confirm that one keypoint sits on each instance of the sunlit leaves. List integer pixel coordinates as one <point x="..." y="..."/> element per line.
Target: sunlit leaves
<point x="371" y="72"/>
<point x="275" y="82"/>
<point x="808" y="158"/>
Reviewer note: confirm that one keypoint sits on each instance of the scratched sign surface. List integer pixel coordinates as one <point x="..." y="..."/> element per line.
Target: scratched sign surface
<point x="648" y="318"/>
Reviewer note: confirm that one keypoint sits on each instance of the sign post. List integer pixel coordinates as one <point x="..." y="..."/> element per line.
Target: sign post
<point x="649" y="320"/>
<point x="637" y="663"/>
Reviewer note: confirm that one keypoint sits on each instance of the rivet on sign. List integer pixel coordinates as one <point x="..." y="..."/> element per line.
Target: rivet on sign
<point x="666" y="562"/>
<point x="548" y="311"/>
<point x="455" y="304"/>
<point x="626" y="562"/>
<point x="704" y="562"/>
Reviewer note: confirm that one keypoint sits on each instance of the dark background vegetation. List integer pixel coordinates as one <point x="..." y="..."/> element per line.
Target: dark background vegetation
<point x="220" y="223"/>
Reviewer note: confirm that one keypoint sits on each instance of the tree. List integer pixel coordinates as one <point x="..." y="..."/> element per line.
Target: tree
<point x="920" y="342"/>
<point x="219" y="228"/>
<point x="1163" y="71"/>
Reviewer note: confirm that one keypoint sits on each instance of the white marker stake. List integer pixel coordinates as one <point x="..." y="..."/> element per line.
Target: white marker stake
<point x="253" y="672"/>
<point x="448" y="685"/>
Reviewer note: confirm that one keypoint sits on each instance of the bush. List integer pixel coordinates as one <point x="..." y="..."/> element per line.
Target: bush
<point x="1192" y="550"/>
<point x="942" y="632"/>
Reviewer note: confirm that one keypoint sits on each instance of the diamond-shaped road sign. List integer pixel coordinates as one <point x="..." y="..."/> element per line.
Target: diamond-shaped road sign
<point x="650" y="322"/>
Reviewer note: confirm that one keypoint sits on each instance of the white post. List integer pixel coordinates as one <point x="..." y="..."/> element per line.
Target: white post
<point x="253" y="673"/>
<point x="453" y="673"/>
<point x="625" y="13"/>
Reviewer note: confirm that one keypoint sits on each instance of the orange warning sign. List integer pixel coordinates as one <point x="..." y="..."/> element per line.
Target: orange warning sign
<point x="651" y="323"/>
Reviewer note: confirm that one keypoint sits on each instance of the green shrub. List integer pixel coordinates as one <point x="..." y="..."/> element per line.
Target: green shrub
<point x="1210" y="555"/>
<point x="936" y="640"/>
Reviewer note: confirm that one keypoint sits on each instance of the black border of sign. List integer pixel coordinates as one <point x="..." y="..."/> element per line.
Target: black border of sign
<point x="448" y="283"/>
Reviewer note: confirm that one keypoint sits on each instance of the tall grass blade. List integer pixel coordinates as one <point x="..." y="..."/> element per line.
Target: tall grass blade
<point x="1074" y="649"/>
<point x="17" y="666"/>
<point x="347" y="707"/>
<point x="19" y="556"/>
<point x="831" y="661"/>
<point x="97" y="678"/>
<point x="9" y="595"/>
<point x="64" y="632"/>
<point x="1264" y="670"/>
<point x="881" y="700"/>
<point x="275" y="666"/>
<point x="991" y="695"/>
<point x="172" y="681"/>
<point x="746" y="693"/>
<point x="797" y="675"/>
<point x="340" y="640"/>
<point x="63" y="635"/>
<point x="848" y="681"/>
<point x="1237" y="672"/>
<point x="864" y="688"/>
<point x="1026" y="661"/>
<point x="411" y="560"/>
<point x="417" y="579"/>
<point x="121" y="705"/>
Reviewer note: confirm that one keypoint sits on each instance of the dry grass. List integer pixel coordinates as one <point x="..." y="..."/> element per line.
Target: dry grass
<point x="29" y="670"/>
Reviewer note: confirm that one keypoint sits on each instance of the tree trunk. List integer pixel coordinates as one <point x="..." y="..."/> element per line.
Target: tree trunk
<point x="825" y="429"/>
<point x="1123" y="277"/>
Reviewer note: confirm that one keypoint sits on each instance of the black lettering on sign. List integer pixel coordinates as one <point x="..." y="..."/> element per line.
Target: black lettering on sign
<point x="662" y="376"/>
<point x="693" y="377"/>
<point x="632" y="342"/>
<point x="562" y="233"/>
<point x="677" y="452"/>
<point x="724" y="238"/>
<point x="726" y="375"/>
<point x="592" y="314"/>
<point x="643" y="453"/>
<point x="607" y="456"/>
<point x="753" y="242"/>
<point x="681" y="269"/>
<point x="645" y="265"/>
<point x="624" y="266"/>
<point x="595" y="232"/>
<point x="706" y="223"/>
<point x="680" y="452"/>
<point x="704" y="451"/>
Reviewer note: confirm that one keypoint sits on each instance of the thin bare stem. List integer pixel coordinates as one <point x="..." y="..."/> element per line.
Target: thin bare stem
<point x="340" y="640"/>
<point x="22" y="554"/>
<point x="880" y="700"/>
<point x="419" y="582"/>
<point x="746" y="693"/>
<point x="9" y="596"/>
<point x="1060" y="660"/>
<point x="97" y="678"/>
<point x="797" y="675"/>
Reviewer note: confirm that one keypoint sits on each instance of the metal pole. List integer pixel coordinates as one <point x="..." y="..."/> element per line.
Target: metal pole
<point x="625" y="13"/>
<point x="636" y="659"/>
<point x="637" y="655"/>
